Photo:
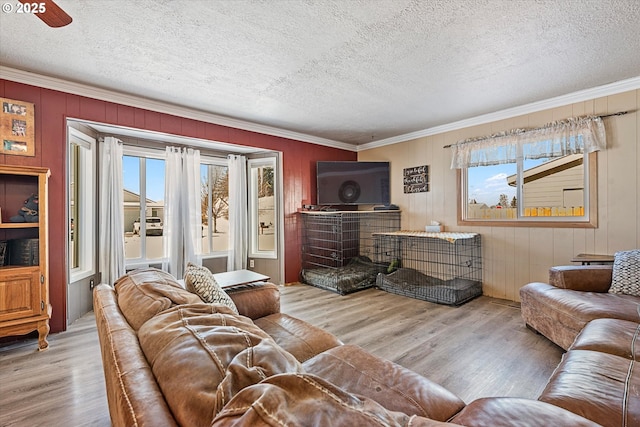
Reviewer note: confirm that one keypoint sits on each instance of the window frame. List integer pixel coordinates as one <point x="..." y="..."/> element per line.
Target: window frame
<point x="146" y="153"/>
<point x="160" y="154"/>
<point x="591" y="203"/>
<point x="252" y="206"/>
<point x="215" y="161"/>
<point x="85" y="185"/>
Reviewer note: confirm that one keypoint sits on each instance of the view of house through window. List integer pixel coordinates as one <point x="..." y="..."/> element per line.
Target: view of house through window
<point x="143" y="181"/>
<point x="144" y="185"/>
<point x="550" y="188"/>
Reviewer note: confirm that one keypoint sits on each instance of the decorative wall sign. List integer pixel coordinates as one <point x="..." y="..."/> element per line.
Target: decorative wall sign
<point x="16" y="128"/>
<point x="416" y="179"/>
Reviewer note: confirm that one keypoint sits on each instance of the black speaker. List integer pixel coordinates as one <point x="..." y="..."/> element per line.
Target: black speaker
<point x="349" y="192"/>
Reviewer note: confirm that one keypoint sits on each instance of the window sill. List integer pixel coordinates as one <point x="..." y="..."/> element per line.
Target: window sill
<point x="77" y="275"/>
<point x="531" y="224"/>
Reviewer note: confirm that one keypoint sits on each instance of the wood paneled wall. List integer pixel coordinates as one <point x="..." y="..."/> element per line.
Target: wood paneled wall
<point x="52" y="108"/>
<point x="514" y="256"/>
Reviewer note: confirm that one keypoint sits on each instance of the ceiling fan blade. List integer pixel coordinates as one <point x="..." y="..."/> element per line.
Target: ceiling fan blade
<point x="52" y="14"/>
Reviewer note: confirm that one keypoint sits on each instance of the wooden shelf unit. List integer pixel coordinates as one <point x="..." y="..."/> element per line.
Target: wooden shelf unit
<point x="20" y="225"/>
<point x="24" y="289"/>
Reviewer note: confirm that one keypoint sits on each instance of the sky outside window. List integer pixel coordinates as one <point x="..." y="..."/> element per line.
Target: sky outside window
<point x="487" y="183"/>
<point x="155" y="177"/>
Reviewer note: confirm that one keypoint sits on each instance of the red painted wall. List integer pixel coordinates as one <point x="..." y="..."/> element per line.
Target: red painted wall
<point x="51" y="111"/>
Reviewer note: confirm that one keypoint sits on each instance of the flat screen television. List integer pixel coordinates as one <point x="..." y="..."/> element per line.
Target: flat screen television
<point x="353" y="183"/>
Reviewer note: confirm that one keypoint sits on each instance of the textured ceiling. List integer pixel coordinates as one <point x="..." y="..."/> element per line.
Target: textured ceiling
<point x="345" y="70"/>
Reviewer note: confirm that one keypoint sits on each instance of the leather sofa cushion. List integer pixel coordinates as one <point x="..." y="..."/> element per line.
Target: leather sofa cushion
<point x="393" y="386"/>
<point x="592" y="278"/>
<point x="511" y="411"/>
<point x="255" y="300"/>
<point x="601" y="387"/>
<point x="306" y="400"/>
<point x="296" y="336"/>
<point x="202" y="355"/>
<point x="613" y="336"/>
<point x="143" y="293"/>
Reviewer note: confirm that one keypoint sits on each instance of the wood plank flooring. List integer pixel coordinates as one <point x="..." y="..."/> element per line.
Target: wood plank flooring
<point x="61" y="386"/>
<point x="477" y="350"/>
<point x="480" y="349"/>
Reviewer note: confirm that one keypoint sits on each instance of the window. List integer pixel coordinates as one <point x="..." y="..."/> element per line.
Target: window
<point x="81" y="205"/>
<point x="262" y="208"/>
<point x="74" y="203"/>
<point x="144" y="187"/>
<point x="215" y="208"/>
<point x="554" y="187"/>
<point x="143" y="181"/>
<point x="544" y="176"/>
<point x="544" y="190"/>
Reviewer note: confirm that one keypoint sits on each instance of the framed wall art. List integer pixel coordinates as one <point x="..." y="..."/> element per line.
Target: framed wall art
<point x="416" y="179"/>
<point x="17" y="131"/>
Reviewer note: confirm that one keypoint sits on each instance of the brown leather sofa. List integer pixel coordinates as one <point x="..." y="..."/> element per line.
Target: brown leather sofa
<point x="597" y="377"/>
<point x="169" y="359"/>
<point x="574" y="296"/>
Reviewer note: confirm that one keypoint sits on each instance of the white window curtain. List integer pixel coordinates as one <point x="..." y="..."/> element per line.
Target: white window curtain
<point x="182" y="216"/>
<point x="238" y="245"/>
<point x="193" y="206"/>
<point x="112" y="264"/>
<point x="574" y="135"/>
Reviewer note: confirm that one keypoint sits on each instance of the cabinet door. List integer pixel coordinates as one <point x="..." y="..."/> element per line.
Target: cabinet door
<point x="20" y="294"/>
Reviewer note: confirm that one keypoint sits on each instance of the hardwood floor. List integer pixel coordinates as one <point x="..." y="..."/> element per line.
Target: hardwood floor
<point x="477" y="350"/>
<point x="480" y="349"/>
<point x="61" y="386"/>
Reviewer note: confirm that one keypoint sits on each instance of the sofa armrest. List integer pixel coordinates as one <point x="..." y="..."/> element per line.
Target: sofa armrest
<point x="133" y="395"/>
<point x="255" y="300"/>
<point x="587" y="278"/>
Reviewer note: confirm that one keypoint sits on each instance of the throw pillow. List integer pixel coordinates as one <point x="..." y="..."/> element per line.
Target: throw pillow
<point x="626" y="273"/>
<point x="201" y="282"/>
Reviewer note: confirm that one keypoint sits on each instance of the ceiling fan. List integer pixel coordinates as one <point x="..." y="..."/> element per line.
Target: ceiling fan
<point x="48" y="11"/>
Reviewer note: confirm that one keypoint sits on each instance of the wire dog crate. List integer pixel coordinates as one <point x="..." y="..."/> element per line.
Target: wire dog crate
<point x="339" y="250"/>
<point x="444" y="268"/>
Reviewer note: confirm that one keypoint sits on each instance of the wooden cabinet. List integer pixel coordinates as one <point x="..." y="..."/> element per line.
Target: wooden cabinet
<point x="24" y="280"/>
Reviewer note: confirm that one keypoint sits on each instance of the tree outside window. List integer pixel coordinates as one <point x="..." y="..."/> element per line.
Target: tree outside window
<point x="214" y="202"/>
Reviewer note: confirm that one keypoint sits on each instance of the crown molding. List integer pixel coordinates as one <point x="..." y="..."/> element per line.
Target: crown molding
<point x="558" y="101"/>
<point x="80" y="89"/>
<point x="54" y="83"/>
